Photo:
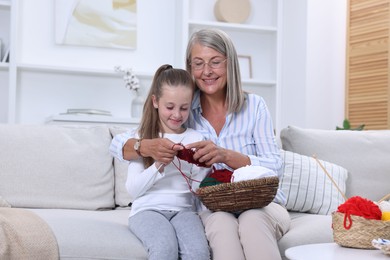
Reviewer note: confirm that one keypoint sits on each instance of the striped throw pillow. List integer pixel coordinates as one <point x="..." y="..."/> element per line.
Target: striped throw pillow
<point x="307" y="187"/>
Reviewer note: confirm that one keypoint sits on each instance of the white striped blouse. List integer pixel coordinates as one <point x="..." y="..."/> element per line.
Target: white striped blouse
<point x="249" y="132"/>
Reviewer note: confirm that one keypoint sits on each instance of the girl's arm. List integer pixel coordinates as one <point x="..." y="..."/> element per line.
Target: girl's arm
<point x="140" y="180"/>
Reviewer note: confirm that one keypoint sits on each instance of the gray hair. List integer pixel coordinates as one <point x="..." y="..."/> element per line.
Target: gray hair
<point x="221" y="42"/>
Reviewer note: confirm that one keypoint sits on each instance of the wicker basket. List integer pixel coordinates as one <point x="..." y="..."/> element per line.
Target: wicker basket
<point x="238" y="196"/>
<point x="361" y="233"/>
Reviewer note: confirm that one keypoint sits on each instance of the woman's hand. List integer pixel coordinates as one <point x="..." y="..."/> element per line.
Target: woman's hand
<point x="161" y="150"/>
<point x="209" y="153"/>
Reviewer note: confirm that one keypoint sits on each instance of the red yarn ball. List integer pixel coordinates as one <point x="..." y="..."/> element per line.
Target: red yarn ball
<point x="362" y="207"/>
<point x="188" y="156"/>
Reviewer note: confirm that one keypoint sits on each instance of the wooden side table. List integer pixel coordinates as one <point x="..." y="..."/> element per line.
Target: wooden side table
<point x="332" y="251"/>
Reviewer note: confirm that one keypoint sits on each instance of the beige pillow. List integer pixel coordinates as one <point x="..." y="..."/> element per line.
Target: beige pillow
<point x="46" y="166"/>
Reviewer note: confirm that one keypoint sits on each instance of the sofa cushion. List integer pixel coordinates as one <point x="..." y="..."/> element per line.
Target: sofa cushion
<point x="306" y="229"/>
<point x="45" y="166"/>
<point x="122" y="197"/>
<point x="308" y="188"/>
<point x="84" y="234"/>
<point x="365" y="154"/>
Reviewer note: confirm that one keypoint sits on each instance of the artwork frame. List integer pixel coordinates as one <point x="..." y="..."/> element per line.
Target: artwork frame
<point x="104" y="23"/>
<point x="245" y="62"/>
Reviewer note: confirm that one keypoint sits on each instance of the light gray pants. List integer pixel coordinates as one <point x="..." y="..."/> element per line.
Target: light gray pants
<point x="168" y="235"/>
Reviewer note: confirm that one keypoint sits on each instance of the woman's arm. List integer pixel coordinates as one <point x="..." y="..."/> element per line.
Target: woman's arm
<point x="160" y="149"/>
<point x="248" y="139"/>
<point x="267" y="150"/>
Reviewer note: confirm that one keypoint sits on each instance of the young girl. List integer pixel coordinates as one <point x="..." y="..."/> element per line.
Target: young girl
<point x="163" y="214"/>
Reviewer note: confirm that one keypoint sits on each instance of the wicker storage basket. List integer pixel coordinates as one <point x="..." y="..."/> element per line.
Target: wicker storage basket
<point x="238" y="196"/>
<point x="361" y="233"/>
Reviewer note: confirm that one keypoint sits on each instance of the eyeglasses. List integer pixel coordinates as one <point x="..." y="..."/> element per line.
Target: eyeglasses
<point x="215" y="63"/>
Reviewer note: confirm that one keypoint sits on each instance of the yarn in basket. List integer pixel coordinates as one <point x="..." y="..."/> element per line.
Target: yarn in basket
<point x="359" y="206"/>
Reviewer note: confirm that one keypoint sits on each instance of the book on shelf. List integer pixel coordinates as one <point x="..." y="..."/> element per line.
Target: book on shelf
<point x="88" y="111"/>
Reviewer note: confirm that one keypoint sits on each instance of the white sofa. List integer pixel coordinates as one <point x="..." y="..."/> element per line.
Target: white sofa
<point x="66" y="176"/>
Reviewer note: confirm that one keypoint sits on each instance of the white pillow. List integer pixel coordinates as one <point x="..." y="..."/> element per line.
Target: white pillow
<point x="122" y="197"/>
<point x="307" y="187"/>
<point x="50" y="166"/>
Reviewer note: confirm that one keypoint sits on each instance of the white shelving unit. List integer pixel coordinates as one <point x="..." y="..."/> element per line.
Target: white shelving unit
<point x="34" y="88"/>
<point x="34" y="92"/>
<point x="259" y="38"/>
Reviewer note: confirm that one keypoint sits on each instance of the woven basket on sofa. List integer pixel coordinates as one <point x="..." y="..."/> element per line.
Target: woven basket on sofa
<point x="238" y="196"/>
<point x="361" y="233"/>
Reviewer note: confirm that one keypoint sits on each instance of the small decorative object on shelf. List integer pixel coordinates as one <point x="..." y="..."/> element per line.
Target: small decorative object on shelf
<point x="232" y="11"/>
<point x="132" y="83"/>
<point x="131" y="80"/>
<point x="87" y="111"/>
<point x="137" y="106"/>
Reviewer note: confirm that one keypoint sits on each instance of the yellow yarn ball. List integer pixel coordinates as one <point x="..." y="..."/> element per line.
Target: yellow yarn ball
<point x="386" y="216"/>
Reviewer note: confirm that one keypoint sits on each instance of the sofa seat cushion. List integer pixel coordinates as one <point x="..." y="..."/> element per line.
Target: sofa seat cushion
<point x="84" y="234"/>
<point x="306" y="229"/>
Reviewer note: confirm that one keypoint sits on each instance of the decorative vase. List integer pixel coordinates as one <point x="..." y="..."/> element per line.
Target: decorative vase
<point x="137" y="105"/>
<point x="232" y="11"/>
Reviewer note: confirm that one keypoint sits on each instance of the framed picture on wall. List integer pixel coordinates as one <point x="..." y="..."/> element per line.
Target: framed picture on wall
<point x="245" y="62"/>
<point x="103" y="23"/>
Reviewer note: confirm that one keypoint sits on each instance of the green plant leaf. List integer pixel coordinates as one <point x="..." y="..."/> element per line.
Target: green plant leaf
<point x="346" y="124"/>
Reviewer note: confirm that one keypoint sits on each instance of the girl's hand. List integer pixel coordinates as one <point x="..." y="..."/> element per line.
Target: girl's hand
<point x="162" y="150"/>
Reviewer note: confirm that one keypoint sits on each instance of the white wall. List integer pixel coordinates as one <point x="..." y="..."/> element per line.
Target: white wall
<point x="313" y="61"/>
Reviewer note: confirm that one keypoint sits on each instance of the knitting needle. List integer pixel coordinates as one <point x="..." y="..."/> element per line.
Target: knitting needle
<point x="330" y="177"/>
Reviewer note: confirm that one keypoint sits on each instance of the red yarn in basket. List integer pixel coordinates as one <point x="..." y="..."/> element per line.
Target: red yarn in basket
<point x="359" y="206"/>
<point x="222" y="175"/>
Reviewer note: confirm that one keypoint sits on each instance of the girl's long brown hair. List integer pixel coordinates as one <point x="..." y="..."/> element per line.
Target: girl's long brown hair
<point x="150" y="126"/>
